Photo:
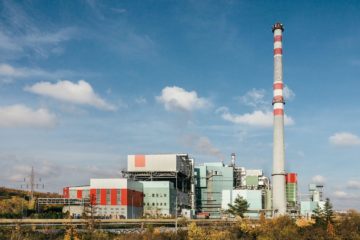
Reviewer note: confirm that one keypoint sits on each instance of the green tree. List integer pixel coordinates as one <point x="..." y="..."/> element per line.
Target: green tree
<point x="324" y="216"/>
<point x="328" y="211"/>
<point x="239" y="207"/>
<point x="318" y="216"/>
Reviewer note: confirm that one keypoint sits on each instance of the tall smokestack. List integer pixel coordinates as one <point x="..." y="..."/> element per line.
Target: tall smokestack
<point x="233" y="156"/>
<point x="278" y="175"/>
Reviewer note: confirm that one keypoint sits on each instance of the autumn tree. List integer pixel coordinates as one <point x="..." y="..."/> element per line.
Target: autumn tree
<point x="239" y="207"/>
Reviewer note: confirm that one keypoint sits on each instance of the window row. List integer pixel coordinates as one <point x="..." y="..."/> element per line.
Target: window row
<point x="156" y="195"/>
<point x="157" y="204"/>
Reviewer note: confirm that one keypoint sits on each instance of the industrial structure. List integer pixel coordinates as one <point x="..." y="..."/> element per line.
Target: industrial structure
<point x="314" y="200"/>
<point x="278" y="175"/>
<point x="168" y="185"/>
<point x="112" y="197"/>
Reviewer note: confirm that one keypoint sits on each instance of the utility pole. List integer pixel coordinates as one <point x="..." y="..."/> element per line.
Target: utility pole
<point x="31" y="183"/>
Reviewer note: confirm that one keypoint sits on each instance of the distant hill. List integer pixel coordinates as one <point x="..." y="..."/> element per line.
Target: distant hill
<point x="6" y="193"/>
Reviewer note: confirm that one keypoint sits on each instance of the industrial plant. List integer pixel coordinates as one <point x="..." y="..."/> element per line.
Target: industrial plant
<point x="173" y="185"/>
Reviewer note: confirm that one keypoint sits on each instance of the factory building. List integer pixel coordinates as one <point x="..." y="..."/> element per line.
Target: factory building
<point x="210" y="180"/>
<point x="169" y="185"/>
<point x="175" y="169"/>
<point x="314" y="200"/>
<point x="217" y="185"/>
<point x="159" y="198"/>
<point x="111" y="198"/>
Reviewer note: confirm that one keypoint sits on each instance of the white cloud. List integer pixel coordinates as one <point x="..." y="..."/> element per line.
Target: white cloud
<point x="23" y="116"/>
<point x="257" y="118"/>
<point x="9" y="73"/>
<point x="344" y="139"/>
<point x="77" y="93"/>
<point x="352" y="184"/>
<point x="340" y="194"/>
<point x="176" y="98"/>
<point x="288" y="93"/>
<point x="319" y="179"/>
<point x="254" y="98"/>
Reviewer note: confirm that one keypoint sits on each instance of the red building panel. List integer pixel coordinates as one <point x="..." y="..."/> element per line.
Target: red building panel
<point x="139" y="160"/>
<point x="102" y="196"/>
<point x="124" y="197"/>
<point x="135" y="198"/>
<point x="93" y="196"/>
<point x="114" y="197"/>
<point x="66" y="193"/>
<point x="79" y="194"/>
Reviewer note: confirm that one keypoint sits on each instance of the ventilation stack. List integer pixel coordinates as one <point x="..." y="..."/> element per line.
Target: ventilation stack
<point x="278" y="174"/>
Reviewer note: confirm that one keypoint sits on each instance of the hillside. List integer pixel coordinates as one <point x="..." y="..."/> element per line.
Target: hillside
<point x="6" y="193"/>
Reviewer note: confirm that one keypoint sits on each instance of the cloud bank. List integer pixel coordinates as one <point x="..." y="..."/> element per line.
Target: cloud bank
<point x="344" y="139"/>
<point x="176" y="98"/>
<point x="257" y="118"/>
<point x="22" y="116"/>
<point x="78" y="93"/>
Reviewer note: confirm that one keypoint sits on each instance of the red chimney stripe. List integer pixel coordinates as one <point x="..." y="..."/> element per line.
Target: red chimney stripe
<point x="278" y="86"/>
<point x="278" y="38"/>
<point x="278" y="111"/>
<point x="277" y="51"/>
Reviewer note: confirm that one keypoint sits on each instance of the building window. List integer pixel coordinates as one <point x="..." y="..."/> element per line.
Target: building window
<point x="157" y="195"/>
<point x="160" y="204"/>
<point x="108" y="201"/>
<point x="153" y="204"/>
<point x="153" y="195"/>
<point x="98" y="196"/>
<point x="164" y="194"/>
<point x="165" y="204"/>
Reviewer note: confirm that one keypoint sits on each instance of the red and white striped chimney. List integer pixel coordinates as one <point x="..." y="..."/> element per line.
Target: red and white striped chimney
<point x="278" y="175"/>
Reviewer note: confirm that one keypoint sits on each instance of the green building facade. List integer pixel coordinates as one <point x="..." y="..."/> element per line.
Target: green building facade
<point x="210" y="180"/>
<point x="159" y="198"/>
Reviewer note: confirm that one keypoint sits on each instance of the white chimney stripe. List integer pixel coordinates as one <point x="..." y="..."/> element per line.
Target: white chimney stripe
<point x="278" y="92"/>
<point x="278" y="106"/>
<point x="277" y="45"/>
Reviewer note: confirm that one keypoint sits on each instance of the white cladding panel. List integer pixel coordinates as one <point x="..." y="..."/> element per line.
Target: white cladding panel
<point x="153" y="163"/>
<point x="226" y="199"/>
<point x="253" y="197"/>
<point x="108" y="183"/>
<point x="79" y="188"/>
<point x="254" y="172"/>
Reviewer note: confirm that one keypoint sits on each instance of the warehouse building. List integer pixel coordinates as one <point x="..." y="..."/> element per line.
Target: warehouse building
<point x="110" y="198"/>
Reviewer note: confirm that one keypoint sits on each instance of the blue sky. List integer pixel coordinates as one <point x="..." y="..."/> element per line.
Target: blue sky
<point x="84" y="83"/>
